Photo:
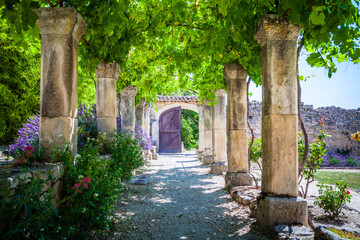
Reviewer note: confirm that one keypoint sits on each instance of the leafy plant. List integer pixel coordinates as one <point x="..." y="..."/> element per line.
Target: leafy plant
<point x="334" y="161"/>
<point x="126" y="153"/>
<point x="189" y="129"/>
<point x="29" y="213"/>
<point x="255" y="151"/>
<point x="315" y="158"/>
<point x="333" y="200"/>
<point x="352" y="162"/>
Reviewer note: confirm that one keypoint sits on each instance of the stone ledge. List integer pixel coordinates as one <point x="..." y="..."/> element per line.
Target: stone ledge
<point x="298" y="232"/>
<point x="321" y="232"/>
<point x="9" y="183"/>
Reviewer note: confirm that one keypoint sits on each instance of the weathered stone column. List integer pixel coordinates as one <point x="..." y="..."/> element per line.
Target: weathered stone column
<point x="127" y="108"/>
<point x="155" y="132"/>
<point x="106" y="97"/>
<point x="237" y="147"/>
<point x="60" y="29"/>
<point x="139" y="112"/>
<point x="147" y="108"/>
<point x="208" y="126"/>
<point x="279" y="202"/>
<point x="201" y="132"/>
<point x="219" y="134"/>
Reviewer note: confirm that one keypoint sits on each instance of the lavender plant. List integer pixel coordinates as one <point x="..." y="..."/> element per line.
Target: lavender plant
<point x="28" y="135"/>
<point x="87" y="124"/>
<point x="339" y="160"/>
<point x="144" y="138"/>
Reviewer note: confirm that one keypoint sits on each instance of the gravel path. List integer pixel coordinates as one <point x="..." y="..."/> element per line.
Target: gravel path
<point x="182" y="201"/>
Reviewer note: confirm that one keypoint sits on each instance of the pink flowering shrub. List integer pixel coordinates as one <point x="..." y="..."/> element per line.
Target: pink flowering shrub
<point x="333" y="199"/>
<point x="83" y="184"/>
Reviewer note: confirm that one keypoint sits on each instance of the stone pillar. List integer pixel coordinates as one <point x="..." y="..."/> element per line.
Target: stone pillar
<point x="237" y="147"/>
<point x="139" y="112"/>
<point x="208" y="126"/>
<point x="106" y="75"/>
<point x="147" y="108"/>
<point x="60" y="29"/>
<point x="127" y="108"/>
<point x="219" y="134"/>
<point x="279" y="202"/>
<point x="155" y="132"/>
<point x="201" y="132"/>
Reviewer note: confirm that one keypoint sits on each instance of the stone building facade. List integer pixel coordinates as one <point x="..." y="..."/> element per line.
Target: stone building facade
<point x="339" y="123"/>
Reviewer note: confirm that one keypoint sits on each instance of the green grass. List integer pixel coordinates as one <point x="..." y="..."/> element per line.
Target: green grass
<point x="352" y="178"/>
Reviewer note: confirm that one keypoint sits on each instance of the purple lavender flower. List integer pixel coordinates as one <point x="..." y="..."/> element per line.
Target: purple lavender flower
<point x="28" y="135"/>
<point x="338" y="160"/>
<point x="118" y="124"/>
<point x="144" y="139"/>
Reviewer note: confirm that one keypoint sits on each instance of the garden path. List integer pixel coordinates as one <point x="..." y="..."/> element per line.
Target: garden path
<point x="182" y="201"/>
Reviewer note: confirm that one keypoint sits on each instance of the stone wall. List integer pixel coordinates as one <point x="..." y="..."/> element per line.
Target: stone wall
<point x="339" y="123"/>
<point x="10" y="179"/>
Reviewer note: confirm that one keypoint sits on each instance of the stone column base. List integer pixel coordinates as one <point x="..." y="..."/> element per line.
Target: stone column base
<point x="207" y="160"/>
<point x="218" y="168"/>
<point x="200" y="154"/>
<point x="235" y="179"/>
<point x="282" y="210"/>
<point x="106" y="124"/>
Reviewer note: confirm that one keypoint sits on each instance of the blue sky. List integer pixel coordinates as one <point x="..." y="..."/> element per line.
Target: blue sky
<point x="341" y="90"/>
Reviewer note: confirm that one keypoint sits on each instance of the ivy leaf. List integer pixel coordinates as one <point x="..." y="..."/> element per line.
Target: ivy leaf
<point x="317" y="17"/>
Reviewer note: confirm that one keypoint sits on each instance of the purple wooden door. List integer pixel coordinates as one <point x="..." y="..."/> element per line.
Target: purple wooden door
<point x="170" y="131"/>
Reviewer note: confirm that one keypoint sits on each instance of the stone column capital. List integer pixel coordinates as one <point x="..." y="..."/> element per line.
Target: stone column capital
<point x="60" y="21"/>
<point x="147" y="106"/>
<point x="130" y="91"/>
<point x="108" y="70"/>
<point x="220" y="92"/>
<point x="142" y="102"/>
<point x="273" y="27"/>
<point x="206" y="102"/>
<point x="234" y="71"/>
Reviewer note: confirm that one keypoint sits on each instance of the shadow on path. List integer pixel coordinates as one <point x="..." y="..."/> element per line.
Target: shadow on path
<point x="182" y="201"/>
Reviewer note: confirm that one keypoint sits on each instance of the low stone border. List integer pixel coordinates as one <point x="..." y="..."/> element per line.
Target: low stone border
<point x="12" y="177"/>
<point x="322" y="232"/>
<point x="245" y="195"/>
<point x="298" y="232"/>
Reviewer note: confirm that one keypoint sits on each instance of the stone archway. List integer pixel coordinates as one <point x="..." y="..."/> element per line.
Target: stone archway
<point x="165" y="103"/>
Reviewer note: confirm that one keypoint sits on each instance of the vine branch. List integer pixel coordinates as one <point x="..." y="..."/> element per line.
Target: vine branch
<point x="302" y="125"/>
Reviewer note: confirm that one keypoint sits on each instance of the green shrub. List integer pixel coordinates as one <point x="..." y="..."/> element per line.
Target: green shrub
<point x="19" y="85"/>
<point x="332" y="200"/>
<point x="126" y="153"/>
<point x="352" y="162"/>
<point x="189" y="129"/>
<point x="333" y="161"/>
<point x="93" y="184"/>
<point x="29" y="213"/>
<point x="255" y="151"/>
<point x="317" y="150"/>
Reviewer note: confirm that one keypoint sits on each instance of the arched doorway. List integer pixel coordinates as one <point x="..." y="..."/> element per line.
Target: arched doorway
<point x="165" y="103"/>
<point x="170" y="131"/>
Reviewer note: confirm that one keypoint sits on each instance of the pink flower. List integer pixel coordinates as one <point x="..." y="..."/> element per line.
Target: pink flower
<point x="348" y="192"/>
<point x="86" y="186"/>
<point x="86" y="179"/>
<point x="29" y="151"/>
<point x="21" y="160"/>
<point x="76" y="186"/>
<point x="36" y="162"/>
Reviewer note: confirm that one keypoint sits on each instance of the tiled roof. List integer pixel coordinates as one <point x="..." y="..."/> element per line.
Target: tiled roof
<point x="177" y="98"/>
